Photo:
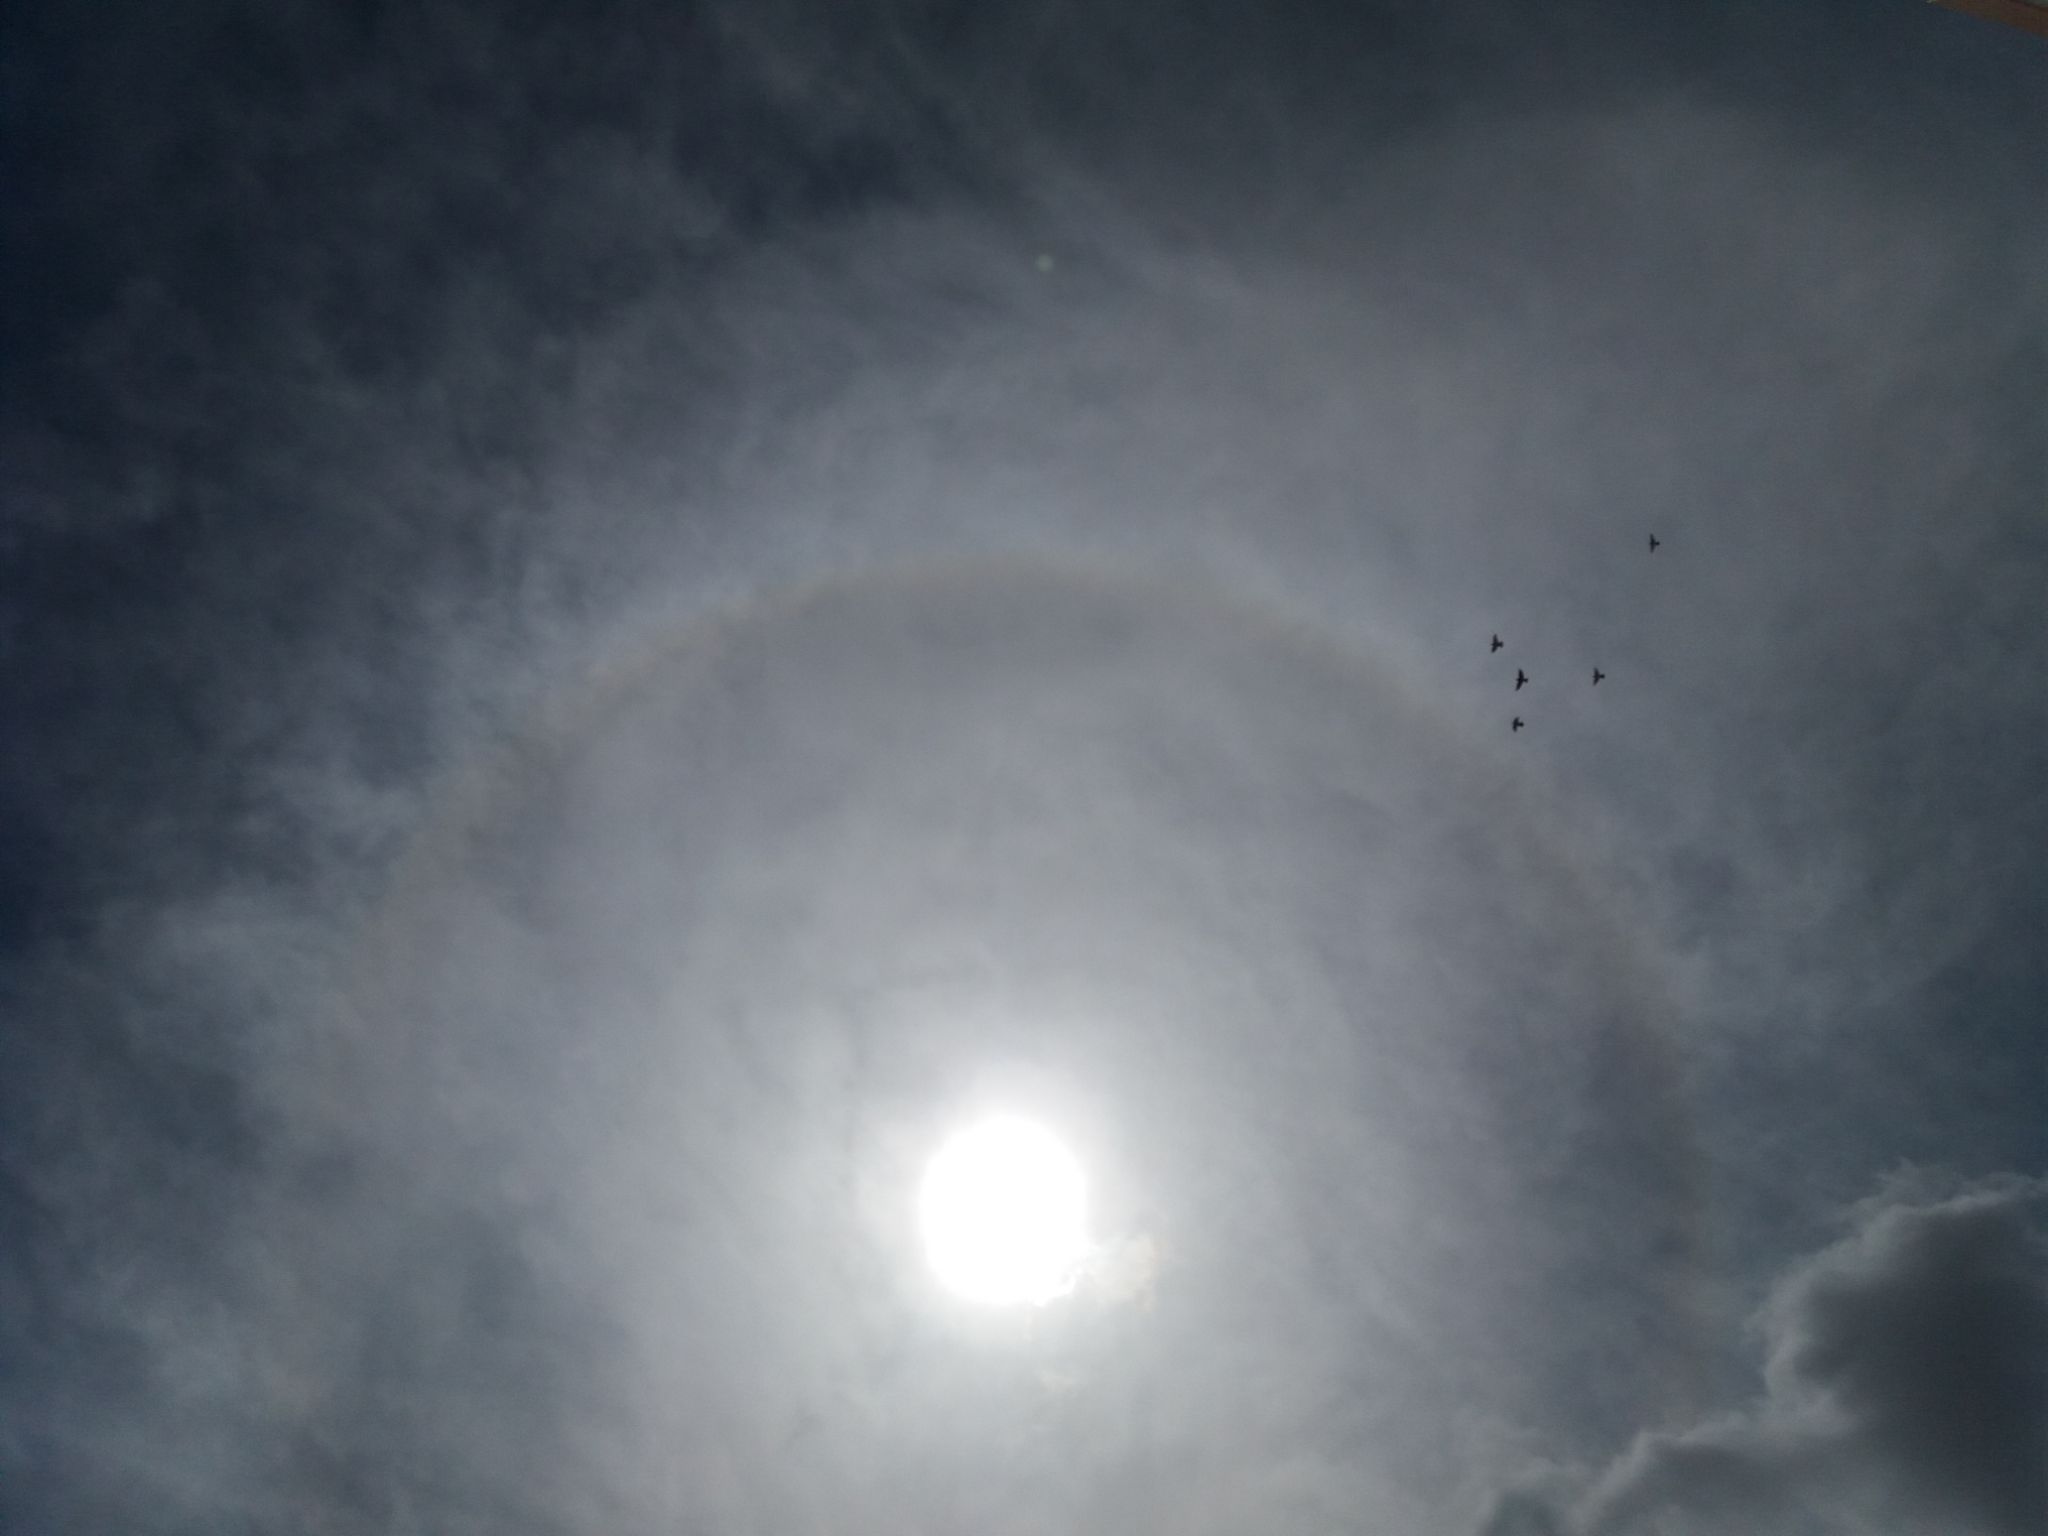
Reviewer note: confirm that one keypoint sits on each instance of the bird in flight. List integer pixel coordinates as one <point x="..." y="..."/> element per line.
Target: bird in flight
<point x="1521" y="677"/>
<point x="1597" y="675"/>
<point x="1654" y="542"/>
<point x="1496" y="644"/>
<point x="1516" y="726"/>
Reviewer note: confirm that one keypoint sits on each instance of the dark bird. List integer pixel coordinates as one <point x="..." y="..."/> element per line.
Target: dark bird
<point x="1521" y="677"/>
<point x="1597" y="675"/>
<point x="1516" y="726"/>
<point x="1654" y="542"/>
<point x="1496" y="644"/>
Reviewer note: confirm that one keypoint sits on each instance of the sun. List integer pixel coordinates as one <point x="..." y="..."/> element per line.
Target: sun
<point x="1004" y="1212"/>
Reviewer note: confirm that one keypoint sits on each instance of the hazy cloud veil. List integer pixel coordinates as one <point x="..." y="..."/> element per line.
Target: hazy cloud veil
<point x="612" y="615"/>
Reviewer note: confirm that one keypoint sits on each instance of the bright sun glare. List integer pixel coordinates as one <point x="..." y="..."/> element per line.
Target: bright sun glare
<point x="1004" y="1211"/>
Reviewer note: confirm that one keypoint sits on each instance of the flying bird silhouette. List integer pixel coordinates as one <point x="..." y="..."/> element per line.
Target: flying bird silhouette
<point x="1654" y="542"/>
<point x="1521" y="677"/>
<point x="1516" y="726"/>
<point x="1597" y="675"/>
<point x="1496" y="644"/>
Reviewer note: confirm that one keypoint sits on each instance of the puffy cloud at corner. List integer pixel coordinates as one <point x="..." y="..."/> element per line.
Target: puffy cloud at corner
<point x="1905" y="1390"/>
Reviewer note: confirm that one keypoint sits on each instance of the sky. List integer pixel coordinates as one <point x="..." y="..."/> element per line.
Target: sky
<point x="614" y="616"/>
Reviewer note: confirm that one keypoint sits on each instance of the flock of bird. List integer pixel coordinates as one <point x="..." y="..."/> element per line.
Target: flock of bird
<point x="1522" y="678"/>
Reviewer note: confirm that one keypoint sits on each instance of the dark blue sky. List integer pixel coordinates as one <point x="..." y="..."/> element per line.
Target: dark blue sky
<point x="610" y="615"/>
